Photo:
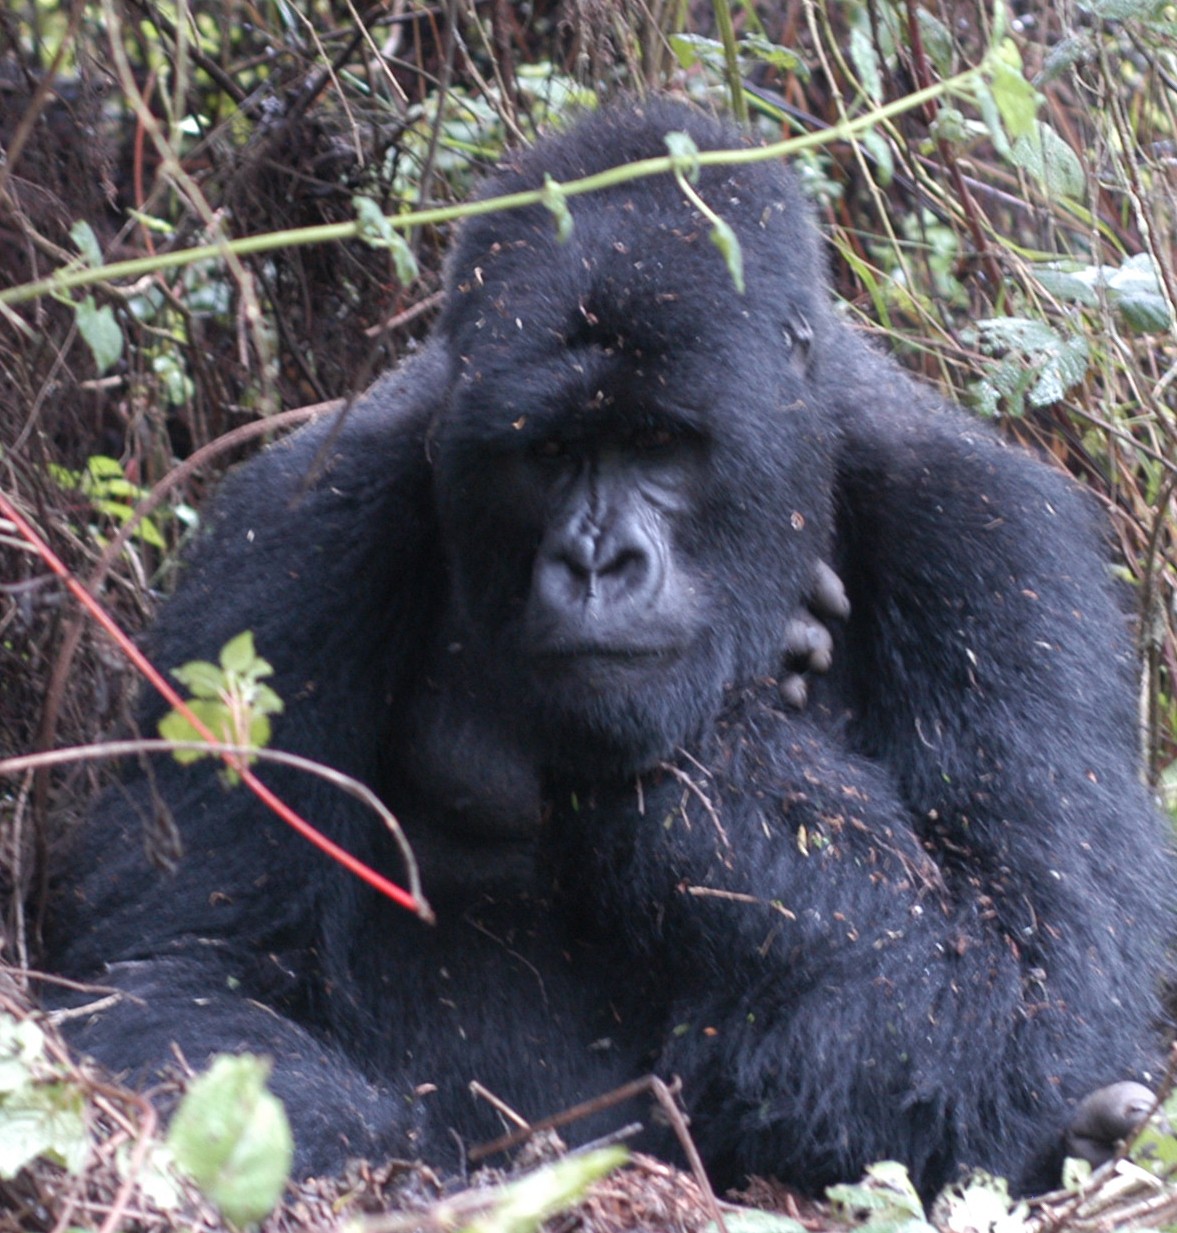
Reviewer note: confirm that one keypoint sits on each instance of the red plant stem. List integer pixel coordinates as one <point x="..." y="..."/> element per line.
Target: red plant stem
<point x="397" y="894"/>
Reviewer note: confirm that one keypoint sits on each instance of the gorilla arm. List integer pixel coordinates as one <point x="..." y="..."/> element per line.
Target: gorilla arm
<point x="809" y="945"/>
<point x="333" y="576"/>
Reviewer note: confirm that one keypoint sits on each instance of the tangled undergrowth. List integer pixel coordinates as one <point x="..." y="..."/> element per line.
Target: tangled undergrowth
<point x="1027" y="267"/>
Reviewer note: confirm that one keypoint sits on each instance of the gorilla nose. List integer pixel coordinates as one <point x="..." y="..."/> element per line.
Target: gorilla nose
<point x="596" y="572"/>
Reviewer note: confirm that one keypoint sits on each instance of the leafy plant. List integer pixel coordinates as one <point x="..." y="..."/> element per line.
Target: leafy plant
<point x="42" y="1112"/>
<point x="107" y="490"/>
<point x="231" y="1135"/>
<point x="228" y="697"/>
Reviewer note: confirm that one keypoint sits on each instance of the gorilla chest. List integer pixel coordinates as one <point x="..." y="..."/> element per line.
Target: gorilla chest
<point x="507" y="995"/>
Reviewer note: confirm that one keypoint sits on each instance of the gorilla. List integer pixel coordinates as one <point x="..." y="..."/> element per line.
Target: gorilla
<point x="560" y="591"/>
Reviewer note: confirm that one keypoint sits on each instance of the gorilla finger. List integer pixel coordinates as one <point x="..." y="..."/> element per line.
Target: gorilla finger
<point x="828" y="597"/>
<point x="794" y="691"/>
<point x="1105" y="1118"/>
<point x="808" y="644"/>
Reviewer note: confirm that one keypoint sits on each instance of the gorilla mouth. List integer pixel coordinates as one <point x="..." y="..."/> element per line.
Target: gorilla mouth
<point x="596" y="653"/>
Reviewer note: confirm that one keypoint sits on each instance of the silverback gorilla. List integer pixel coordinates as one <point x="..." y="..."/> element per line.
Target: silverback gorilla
<point x="552" y="595"/>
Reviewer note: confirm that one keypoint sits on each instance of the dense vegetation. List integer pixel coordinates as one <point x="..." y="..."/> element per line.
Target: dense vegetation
<point x="1011" y="235"/>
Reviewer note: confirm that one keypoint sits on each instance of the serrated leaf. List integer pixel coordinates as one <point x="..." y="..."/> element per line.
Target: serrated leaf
<point x="232" y="1136"/>
<point x="238" y="655"/>
<point x="1048" y="158"/>
<point x="1065" y="366"/>
<point x="724" y="238"/>
<point x="980" y="1202"/>
<point x="949" y="125"/>
<point x="46" y="1120"/>
<point x="783" y="59"/>
<point x="200" y="678"/>
<point x="887" y="1199"/>
<point x="176" y="727"/>
<point x="267" y="701"/>
<point x="1066" y="286"/>
<point x="403" y="261"/>
<point x="991" y="116"/>
<point x="937" y="41"/>
<point x="100" y="331"/>
<point x="1146" y="312"/>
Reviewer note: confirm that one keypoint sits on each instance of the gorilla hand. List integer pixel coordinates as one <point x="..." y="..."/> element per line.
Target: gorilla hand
<point x="809" y="646"/>
<point x="1105" y="1118"/>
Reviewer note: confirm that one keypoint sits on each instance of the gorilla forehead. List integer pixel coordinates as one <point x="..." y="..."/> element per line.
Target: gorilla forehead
<point x="639" y="270"/>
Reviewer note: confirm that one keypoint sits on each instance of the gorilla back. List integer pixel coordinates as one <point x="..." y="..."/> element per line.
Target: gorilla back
<point x="552" y="597"/>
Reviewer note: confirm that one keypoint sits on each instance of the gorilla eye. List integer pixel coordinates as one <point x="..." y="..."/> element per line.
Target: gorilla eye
<point x="651" y="440"/>
<point x="551" y="448"/>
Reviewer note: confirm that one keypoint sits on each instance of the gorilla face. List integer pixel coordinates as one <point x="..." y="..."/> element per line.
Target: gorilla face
<point x="586" y="497"/>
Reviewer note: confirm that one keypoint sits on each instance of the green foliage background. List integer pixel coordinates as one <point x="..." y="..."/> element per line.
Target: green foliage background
<point x="1012" y="240"/>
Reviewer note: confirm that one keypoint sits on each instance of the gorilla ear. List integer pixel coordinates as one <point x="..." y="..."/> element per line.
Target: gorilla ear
<point x="798" y="339"/>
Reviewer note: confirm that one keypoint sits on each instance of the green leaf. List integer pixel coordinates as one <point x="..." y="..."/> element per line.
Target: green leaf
<point x="524" y="1205"/>
<point x="100" y="331"/>
<point x="1066" y="285"/>
<point x="232" y="1136"/>
<point x="1074" y="48"/>
<point x="238" y="654"/>
<point x="684" y="155"/>
<point x="1135" y="291"/>
<point x="200" y="678"/>
<point x="991" y="116"/>
<point x="22" y="1044"/>
<point x="885" y="1201"/>
<point x="783" y="59"/>
<point x="259" y="731"/>
<point x="1040" y="364"/>
<point x="83" y="236"/>
<point x="690" y="49"/>
<point x="376" y="229"/>
<point x="1048" y="158"/>
<point x="266" y="700"/>
<point x="1144" y="311"/>
<point x="866" y="63"/>
<point x="1063" y="368"/>
<point x="880" y="150"/>
<point x="749" y="1220"/>
<point x="555" y="201"/>
<point x="1076" y="1174"/>
<point x="176" y="727"/>
<point x="1016" y="98"/>
<point x="1125" y="10"/>
<point x="724" y="238"/>
<point x="937" y="41"/>
<point x="46" y="1120"/>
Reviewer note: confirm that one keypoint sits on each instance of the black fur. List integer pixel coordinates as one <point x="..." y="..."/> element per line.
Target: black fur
<point x="538" y="600"/>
